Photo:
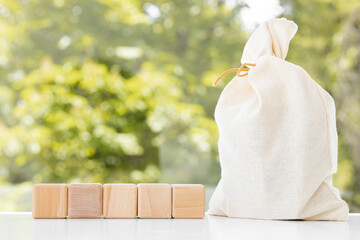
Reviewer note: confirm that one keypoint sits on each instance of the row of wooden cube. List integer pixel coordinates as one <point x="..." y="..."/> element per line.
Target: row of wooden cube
<point x="93" y="200"/>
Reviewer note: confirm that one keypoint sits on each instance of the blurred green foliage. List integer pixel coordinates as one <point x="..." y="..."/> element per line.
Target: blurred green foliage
<point x="120" y="91"/>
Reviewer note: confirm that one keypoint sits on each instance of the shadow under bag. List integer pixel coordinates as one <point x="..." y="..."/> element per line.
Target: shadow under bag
<point x="278" y="139"/>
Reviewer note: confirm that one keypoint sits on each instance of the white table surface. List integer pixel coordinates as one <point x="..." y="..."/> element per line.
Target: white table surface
<point x="23" y="226"/>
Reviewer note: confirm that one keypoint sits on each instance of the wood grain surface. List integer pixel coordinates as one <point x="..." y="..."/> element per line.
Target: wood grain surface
<point x="50" y="201"/>
<point x="188" y="201"/>
<point x="120" y="201"/>
<point x="154" y="200"/>
<point x="85" y="200"/>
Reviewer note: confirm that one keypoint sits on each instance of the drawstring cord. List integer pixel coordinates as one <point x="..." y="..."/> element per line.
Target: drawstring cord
<point x="237" y="70"/>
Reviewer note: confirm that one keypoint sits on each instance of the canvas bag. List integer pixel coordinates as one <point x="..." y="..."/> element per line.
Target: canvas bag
<point x="278" y="139"/>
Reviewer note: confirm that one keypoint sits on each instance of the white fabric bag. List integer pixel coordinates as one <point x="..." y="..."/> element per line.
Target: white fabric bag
<point x="278" y="139"/>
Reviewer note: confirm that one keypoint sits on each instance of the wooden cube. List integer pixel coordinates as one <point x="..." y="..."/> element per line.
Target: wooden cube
<point x="50" y="201"/>
<point x="154" y="200"/>
<point x="188" y="201"/>
<point x="120" y="201"/>
<point x="85" y="200"/>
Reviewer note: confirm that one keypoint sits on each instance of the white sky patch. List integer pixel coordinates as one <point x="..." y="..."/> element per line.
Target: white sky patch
<point x="258" y="12"/>
<point x="17" y="75"/>
<point x="128" y="52"/>
<point x="64" y="42"/>
<point x="3" y="61"/>
<point x="152" y="10"/>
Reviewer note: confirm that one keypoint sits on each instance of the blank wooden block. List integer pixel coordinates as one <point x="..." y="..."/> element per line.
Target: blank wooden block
<point x="85" y="200"/>
<point x="154" y="200"/>
<point x="188" y="201"/>
<point x="120" y="201"/>
<point x="49" y="201"/>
